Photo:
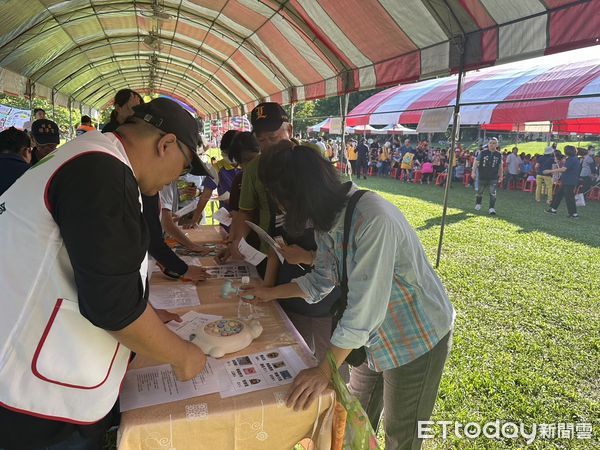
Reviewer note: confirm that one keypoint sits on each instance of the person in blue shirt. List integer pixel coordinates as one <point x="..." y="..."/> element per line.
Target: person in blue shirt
<point x="15" y="156"/>
<point x="525" y="166"/>
<point x="569" y="179"/>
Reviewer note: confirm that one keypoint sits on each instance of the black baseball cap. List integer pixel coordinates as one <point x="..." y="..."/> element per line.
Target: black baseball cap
<point x="45" y="131"/>
<point x="170" y="117"/>
<point x="267" y="116"/>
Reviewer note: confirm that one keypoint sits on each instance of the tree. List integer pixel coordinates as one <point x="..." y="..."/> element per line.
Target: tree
<point x="303" y="113"/>
<point x="105" y="116"/>
<point x="312" y="112"/>
<point x="60" y="115"/>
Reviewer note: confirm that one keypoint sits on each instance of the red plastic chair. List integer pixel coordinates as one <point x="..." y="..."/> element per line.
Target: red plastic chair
<point x="529" y="186"/>
<point x="594" y="194"/>
<point x="467" y="179"/>
<point x="441" y="178"/>
<point x="512" y="185"/>
<point x="394" y="172"/>
<point x="418" y="175"/>
<point x="370" y="171"/>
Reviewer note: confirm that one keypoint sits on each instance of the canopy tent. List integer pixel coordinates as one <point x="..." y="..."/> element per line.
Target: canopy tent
<point x="397" y="129"/>
<point x="365" y="129"/>
<point x="223" y="56"/>
<point x="182" y="103"/>
<point x="577" y="126"/>
<point x="499" y="95"/>
<point x="569" y="126"/>
<point x="331" y="125"/>
<point x="528" y="127"/>
<point x="320" y="127"/>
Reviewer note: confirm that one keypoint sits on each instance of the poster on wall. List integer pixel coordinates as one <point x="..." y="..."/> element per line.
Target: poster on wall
<point x="12" y="117"/>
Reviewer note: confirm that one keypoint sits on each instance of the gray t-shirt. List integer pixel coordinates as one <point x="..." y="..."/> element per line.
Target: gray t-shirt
<point x="587" y="166"/>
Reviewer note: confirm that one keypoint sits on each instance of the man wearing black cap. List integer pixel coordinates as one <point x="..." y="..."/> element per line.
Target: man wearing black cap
<point x="74" y="279"/>
<point x="270" y="124"/>
<point x="46" y="138"/>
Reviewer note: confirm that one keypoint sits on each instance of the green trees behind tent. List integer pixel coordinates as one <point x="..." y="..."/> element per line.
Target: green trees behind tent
<point x="61" y="114"/>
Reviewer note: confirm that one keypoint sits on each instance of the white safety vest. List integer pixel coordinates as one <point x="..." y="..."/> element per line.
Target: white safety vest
<point x="54" y="363"/>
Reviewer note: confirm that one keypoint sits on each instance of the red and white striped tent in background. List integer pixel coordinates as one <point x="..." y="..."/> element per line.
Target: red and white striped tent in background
<point x="498" y="96"/>
<point x="223" y="56"/>
<point x="331" y="125"/>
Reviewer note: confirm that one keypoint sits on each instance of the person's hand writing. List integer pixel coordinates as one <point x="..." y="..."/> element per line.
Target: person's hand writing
<point x="191" y="364"/>
<point x="294" y="254"/>
<point x="307" y="386"/>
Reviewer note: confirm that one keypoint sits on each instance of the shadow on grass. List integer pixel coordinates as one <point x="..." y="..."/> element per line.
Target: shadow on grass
<point x="516" y="207"/>
<point x="450" y="219"/>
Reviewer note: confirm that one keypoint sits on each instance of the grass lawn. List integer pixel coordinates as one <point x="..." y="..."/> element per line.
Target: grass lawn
<point x="526" y="288"/>
<point x="537" y="148"/>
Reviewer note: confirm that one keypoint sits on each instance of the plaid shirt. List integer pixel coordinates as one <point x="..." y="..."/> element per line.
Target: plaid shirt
<point x="397" y="306"/>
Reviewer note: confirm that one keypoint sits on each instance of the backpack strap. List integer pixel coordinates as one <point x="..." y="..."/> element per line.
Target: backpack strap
<point x="347" y="223"/>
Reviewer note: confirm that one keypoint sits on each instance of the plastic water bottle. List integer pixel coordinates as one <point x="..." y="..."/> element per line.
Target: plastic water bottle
<point x="245" y="310"/>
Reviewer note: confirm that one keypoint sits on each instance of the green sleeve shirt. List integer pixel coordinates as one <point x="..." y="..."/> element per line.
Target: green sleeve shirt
<point x="254" y="196"/>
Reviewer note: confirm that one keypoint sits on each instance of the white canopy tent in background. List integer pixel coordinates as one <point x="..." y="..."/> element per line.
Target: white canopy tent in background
<point x="396" y="129"/>
<point x="365" y="129"/>
<point x="332" y="125"/>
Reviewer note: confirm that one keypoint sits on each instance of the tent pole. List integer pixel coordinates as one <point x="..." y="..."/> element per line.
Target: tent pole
<point x="455" y="132"/>
<point x="70" y="118"/>
<point x="292" y="107"/>
<point x="53" y="112"/>
<point x="343" y="113"/>
<point x="342" y="145"/>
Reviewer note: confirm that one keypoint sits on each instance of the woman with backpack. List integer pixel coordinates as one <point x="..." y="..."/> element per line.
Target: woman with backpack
<point x="395" y="305"/>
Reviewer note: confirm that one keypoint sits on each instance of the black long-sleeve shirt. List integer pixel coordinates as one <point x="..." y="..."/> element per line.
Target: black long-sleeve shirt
<point x="169" y="262"/>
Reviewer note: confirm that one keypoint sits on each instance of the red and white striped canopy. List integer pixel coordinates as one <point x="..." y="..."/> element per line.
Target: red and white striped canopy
<point x="568" y="74"/>
<point x="223" y="56"/>
<point x="331" y="125"/>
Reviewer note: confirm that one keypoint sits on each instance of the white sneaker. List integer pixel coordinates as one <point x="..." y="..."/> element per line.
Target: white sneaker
<point x="477" y="207"/>
<point x="492" y="212"/>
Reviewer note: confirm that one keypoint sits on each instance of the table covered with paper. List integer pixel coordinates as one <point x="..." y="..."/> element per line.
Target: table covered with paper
<point x="238" y="402"/>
